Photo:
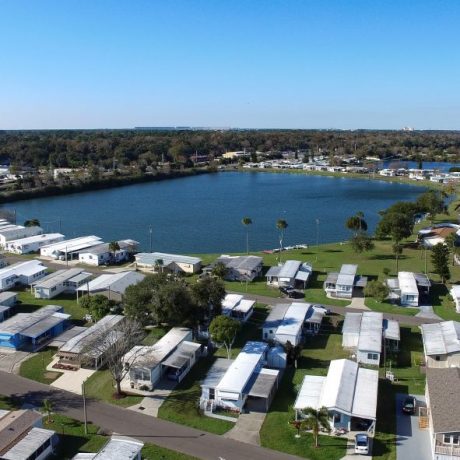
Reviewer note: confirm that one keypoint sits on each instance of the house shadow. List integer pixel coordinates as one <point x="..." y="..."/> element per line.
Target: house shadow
<point x="437" y="292"/>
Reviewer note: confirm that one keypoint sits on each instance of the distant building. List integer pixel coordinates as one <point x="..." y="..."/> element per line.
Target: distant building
<point x="69" y="249"/>
<point x="101" y="254"/>
<point x="341" y="284"/>
<point x="32" y="243"/>
<point x="409" y="288"/>
<point x="237" y="307"/>
<point x="21" y="273"/>
<point x="441" y="344"/>
<point x="289" y="274"/>
<point x="239" y="268"/>
<point x="60" y="281"/>
<point x="15" y="232"/>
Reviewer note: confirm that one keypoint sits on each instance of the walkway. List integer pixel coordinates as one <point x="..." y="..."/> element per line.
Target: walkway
<point x="152" y="403"/>
<point x="357" y="303"/>
<point x="129" y="423"/>
<point x="247" y="428"/>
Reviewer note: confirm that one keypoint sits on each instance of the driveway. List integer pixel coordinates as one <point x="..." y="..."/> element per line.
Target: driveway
<point x="70" y="380"/>
<point x="247" y="428"/>
<point x="426" y="311"/>
<point x="10" y="360"/>
<point x="412" y="443"/>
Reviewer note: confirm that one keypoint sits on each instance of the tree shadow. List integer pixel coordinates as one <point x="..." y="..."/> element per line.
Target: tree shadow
<point x="437" y="292"/>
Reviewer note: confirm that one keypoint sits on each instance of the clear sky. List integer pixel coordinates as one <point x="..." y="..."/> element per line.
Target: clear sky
<point x="236" y="63"/>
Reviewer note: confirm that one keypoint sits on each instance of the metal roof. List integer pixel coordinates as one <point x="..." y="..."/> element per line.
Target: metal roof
<point x="244" y="305"/>
<point x="264" y="382"/>
<point x="216" y="372"/>
<point x="391" y="330"/>
<point x="116" y="282"/>
<point x="78" y="343"/>
<point x="370" y="334"/>
<point x="120" y="448"/>
<point x="4" y="308"/>
<point x="29" y="444"/>
<point x="315" y="315"/>
<point x="28" y="268"/>
<point x="347" y="388"/>
<point x="443" y="385"/>
<point x="44" y="325"/>
<point x="151" y="258"/>
<point x="293" y="320"/>
<point x="241" y="262"/>
<point x="407" y="283"/>
<point x="302" y="276"/>
<point x="14" y="424"/>
<point x="231" y="301"/>
<point x="273" y="271"/>
<point x="289" y="269"/>
<point x="350" y="330"/>
<point x="57" y="278"/>
<point x="22" y="321"/>
<point x="441" y="338"/>
<point x="275" y="316"/>
<point x="104" y="248"/>
<point x="331" y="278"/>
<point x="455" y="291"/>
<point x="151" y="356"/>
<point x="6" y="296"/>
<point x="61" y="339"/>
<point x="422" y="280"/>
<point x="74" y="244"/>
<point x="347" y="275"/>
<point x="35" y="238"/>
<point x="242" y="368"/>
<point x="181" y="355"/>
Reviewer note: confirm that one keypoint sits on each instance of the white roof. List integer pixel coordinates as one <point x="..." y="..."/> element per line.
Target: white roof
<point x="347" y="275"/>
<point x="244" y="305"/>
<point x="58" y="277"/>
<point x="29" y="444"/>
<point x="35" y="238"/>
<point x="28" y="268"/>
<point x="117" y="282"/>
<point x="289" y="269"/>
<point x="309" y="394"/>
<point x="23" y="321"/>
<point x="347" y="389"/>
<point x="77" y="343"/>
<point x="302" y="276"/>
<point x="391" y="329"/>
<point x="231" y="301"/>
<point x="441" y="338"/>
<point x="407" y="283"/>
<point x="120" y="448"/>
<point x="455" y="291"/>
<point x="152" y="355"/>
<point x="242" y="368"/>
<point x="216" y="372"/>
<point x="150" y="258"/>
<point x="370" y="336"/>
<point x="293" y="320"/>
<point x="74" y="244"/>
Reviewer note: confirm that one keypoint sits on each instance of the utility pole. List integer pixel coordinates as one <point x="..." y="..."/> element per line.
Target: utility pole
<point x="60" y="225"/>
<point x="150" y="236"/>
<point x="317" y="232"/>
<point x="85" y="415"/>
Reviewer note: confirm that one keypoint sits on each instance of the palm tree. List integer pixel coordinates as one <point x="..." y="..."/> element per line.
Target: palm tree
<point x="48" y="408"/>
<point x="32" y="223"/>
<point x="281" y="225"/>
<point x="113" y="248"/>
<point x="247" y="221"/>
<point x="397" y="251"/>
<point x="315" y="419"/>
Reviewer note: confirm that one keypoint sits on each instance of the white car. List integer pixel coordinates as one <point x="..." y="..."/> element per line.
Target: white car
<point x="361" y="444"/>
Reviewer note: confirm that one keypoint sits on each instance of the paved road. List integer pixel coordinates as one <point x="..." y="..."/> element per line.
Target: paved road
<point x="403" y="319"/>
<point x="412" y="443"/>
<point x="148" y="429"/>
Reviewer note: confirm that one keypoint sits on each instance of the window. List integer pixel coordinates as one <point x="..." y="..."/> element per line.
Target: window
<point x="437" y="358"/>
<point x="373" y="356"/>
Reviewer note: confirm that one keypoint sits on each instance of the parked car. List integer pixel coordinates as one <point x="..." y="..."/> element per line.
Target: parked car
<point x="409" y="405"/>
<point x="292" y="293"/>
<point x="362" y="444"/>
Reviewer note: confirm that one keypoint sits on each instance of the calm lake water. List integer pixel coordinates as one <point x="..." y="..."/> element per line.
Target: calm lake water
<point x="203" y="214"/>
<point x="439" y="166"/>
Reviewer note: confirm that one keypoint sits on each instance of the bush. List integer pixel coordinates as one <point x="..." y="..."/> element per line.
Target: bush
<point x="376" y="289"/>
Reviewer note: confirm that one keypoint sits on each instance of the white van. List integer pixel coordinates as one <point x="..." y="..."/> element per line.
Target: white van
<point x="361" y="444"/>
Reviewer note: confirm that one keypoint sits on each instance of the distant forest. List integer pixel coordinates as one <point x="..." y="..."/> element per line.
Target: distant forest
<point x="87" y="148"/>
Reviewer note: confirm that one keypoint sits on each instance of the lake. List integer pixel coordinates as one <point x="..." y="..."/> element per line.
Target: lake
<point x="203" y="214"/>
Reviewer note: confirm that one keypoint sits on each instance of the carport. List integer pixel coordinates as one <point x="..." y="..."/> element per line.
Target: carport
<point x="262" y="391"/>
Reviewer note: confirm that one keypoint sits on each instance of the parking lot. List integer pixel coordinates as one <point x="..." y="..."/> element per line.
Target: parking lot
<point x="412" y="443"/>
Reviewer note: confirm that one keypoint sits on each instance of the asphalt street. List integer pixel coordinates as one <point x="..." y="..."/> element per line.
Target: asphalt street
<point x="113" y="419"/>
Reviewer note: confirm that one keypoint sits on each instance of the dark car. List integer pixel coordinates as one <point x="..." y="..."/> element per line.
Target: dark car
<point x="292" y="293"/>
<point x="409" y="405"/>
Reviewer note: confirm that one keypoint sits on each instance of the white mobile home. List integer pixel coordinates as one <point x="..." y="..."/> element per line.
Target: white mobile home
<point x="61" y="281"/>
<point x="242" y="382"/>
<point x="69" y="249"/>
<point x="32" y="243"/>
<point x="408" y="288"/>
<point x="24" y="273"/>
<point x="158" y="261"/>
<point x="240" y="268"/>
<point x="273" y="321"/>
<point x="289" y="274"/>
<point x="173" y="355"/>
<point x="342" y="284"/>
<point x="101" y="253"/>
<point x="111" y="285"/>
<point x="364" y="333"/>
<point x="8" y="298"/>
<point x="117" y="448"/>
<point x="455" y="293"/>
<point x="291" y="326"/>
<point x="235" y="306"/>
<point x="17" y="232"/>
<point x="75" y="352"/>
<point x="348" y="392"/>
<point x="441" y="344"/>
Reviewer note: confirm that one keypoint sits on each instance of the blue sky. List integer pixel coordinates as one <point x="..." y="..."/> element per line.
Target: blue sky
<point x="274" y="63"/>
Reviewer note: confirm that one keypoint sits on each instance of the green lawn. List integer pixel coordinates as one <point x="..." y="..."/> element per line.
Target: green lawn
<point x="30" y="303"/>
<point x="72" y="439"/>
<point x="276" y="432"/>
<point x="182" y="404"/>
<point x="101" y="386"/>
<point x="386" y="307"/>
<point x="34" y="368"/>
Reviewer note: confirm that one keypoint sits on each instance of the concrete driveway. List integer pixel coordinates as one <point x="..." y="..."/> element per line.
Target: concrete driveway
<point x="412" y="443"/>
<point x="70" y="380"/>
<point x="10" y="360"/>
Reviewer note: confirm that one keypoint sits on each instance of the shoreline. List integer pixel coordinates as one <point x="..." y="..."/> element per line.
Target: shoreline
<point x="114" y="182"/>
